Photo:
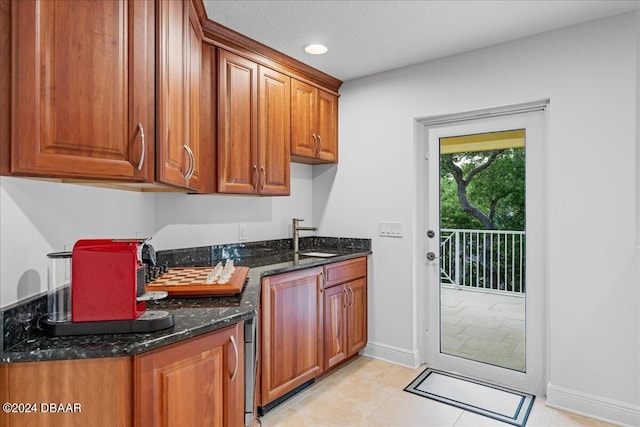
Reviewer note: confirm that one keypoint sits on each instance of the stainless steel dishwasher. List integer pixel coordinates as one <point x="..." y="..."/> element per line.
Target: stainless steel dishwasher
<point x="250" y="367"/>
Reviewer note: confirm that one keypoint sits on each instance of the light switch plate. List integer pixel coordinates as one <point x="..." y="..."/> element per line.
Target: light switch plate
<point x="390" y="229"/>
<point x="242" y="232"/>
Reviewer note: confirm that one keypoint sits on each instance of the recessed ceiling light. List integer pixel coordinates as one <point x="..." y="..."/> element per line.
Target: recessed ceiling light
<point x="315" y="49"/>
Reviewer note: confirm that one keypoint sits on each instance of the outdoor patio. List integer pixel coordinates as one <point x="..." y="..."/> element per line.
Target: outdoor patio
<point x="484" y="326"/>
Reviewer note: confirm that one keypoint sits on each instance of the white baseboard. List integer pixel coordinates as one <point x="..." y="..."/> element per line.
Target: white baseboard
<point x="593" y="406"/>
<point x="399" y="356"/>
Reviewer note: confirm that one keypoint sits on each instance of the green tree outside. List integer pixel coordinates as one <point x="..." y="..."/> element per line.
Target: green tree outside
<point x="483" y="190"/>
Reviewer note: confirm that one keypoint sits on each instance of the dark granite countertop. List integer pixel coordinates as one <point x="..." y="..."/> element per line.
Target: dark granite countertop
<point x="193" y="316"/>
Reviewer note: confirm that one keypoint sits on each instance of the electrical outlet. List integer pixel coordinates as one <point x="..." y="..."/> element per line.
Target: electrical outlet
<point x="242" y="232"/>
<point x="390" y="229"/>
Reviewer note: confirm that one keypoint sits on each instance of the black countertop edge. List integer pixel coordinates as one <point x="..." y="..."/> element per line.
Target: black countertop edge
<point x="193" y="316"/>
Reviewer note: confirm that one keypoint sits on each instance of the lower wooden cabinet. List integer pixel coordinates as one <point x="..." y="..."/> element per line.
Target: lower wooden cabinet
<point x="291" y="318"/>
<point x="345" y="319"/>
<point x="311" y="320"/>
<point x="198" y="382"/>
<point x="357" y="316"/>
<point x="100" y="392"/>
<point x="336" y="300"/>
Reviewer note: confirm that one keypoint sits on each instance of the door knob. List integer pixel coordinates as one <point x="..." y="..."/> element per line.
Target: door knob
<point x="431" y="256"/>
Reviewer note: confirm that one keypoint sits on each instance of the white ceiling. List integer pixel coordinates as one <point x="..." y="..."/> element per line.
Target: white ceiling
<point x="368" y="37"/>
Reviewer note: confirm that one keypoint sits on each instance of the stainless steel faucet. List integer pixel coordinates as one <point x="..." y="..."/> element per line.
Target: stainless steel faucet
<point x="296" y="232"/>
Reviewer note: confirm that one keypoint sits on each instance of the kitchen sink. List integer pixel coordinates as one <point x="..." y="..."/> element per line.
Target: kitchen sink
<point x="319" y="254"/>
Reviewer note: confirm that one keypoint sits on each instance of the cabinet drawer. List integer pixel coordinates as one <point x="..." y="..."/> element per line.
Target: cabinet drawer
<point x="345" y="271"/>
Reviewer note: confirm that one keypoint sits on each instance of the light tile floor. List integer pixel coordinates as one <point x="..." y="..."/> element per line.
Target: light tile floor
<point x="369" y="392"/>
<point x="484" y="326"/>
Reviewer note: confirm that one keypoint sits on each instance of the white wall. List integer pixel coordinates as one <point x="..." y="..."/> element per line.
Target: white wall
<point x="184" y="220"/>
<point x="38" y="217"/>
<point x="589" y="72"/>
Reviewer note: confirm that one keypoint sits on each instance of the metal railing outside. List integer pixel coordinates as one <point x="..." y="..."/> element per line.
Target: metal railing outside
<point x="489" y="260"/>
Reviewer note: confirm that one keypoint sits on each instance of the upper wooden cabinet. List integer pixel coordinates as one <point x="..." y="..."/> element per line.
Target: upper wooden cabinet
<point x="274" y="114"/>
<point x="208" y="123"/>
<point x="314" y="124"/>
<point x="182" y="155"/>
<point x="253" y="127"/>
<point x="237" y="124"/>
<point x="82" y="89"/>
<point x="153" y="95"/>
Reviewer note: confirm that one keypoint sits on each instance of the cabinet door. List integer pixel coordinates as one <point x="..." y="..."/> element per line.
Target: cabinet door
<point x="178" y="90"/>
<point x="237" y="124"/>
<point x="274" y="132"/>
<point x="83" y="89"/>
<point x="303" y="112"/>
<point x="197" y="177"/>
<point x="335" y="325"/>
<point x="99" y="390"/>
<point x="291" y="331"/>
<point x="327" y="127"/>
<point x="356" y="316"/>
<point x="195" y="382"/>
<point x="208" y="166"/>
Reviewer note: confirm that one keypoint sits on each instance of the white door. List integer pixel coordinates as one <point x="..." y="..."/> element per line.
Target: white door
<point x="528" y="374"/>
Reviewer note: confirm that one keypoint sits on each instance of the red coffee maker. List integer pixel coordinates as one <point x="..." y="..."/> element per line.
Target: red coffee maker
<point x="106" y="291"/>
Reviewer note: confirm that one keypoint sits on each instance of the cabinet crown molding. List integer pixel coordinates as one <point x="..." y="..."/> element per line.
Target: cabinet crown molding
<point x="226" y="38"/>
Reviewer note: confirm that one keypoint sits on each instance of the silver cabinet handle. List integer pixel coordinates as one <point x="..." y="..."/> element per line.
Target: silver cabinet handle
<point x="352" y="296"/>
<point x="192" y="164"/>
<point x="322" y="281"/>
<point x="257" y="175"/>
<point x="315" y="143"/>
<point x="141" y="162"/>
<point x="235" y="351"/>
<point x="320" y="144"/>
<point x="264" y="177"/>
<point x="187" y="171"/>
<point x="346" y="298"/>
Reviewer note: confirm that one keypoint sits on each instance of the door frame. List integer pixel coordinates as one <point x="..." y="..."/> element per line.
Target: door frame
<point x="531" y="115"/>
